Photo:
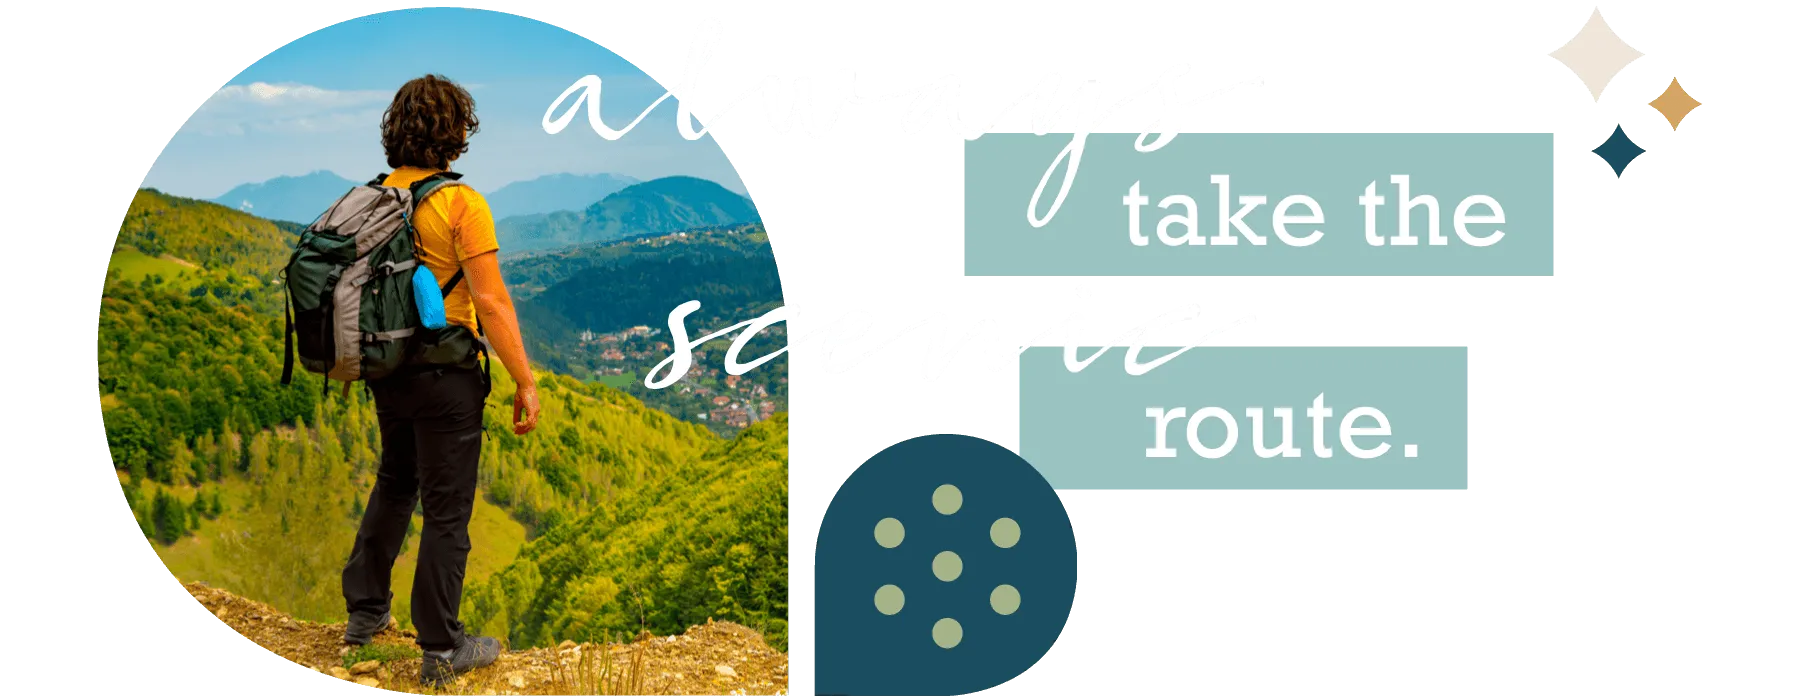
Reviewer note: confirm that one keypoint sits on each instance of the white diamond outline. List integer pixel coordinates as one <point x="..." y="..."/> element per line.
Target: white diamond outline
<point x="1595" y="13"/>
<point x="1644" y="103"/>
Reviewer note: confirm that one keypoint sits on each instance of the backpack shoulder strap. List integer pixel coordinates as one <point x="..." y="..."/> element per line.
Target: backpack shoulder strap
<point x="451" y="285"/>
<point x="432" y="183"/>
<point x="423" y="189"/>
<point x="378" y="180"/>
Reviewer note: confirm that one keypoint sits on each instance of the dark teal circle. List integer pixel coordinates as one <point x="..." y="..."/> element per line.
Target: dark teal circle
<point x="859" y="650"/>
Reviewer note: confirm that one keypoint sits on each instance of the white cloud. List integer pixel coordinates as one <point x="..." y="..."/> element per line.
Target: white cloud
<point x="286" y="107"/>
<point x="291" y="95"/>
<point x="332" y="121"/>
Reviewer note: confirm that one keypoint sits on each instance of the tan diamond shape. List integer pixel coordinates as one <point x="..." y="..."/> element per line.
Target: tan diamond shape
<point x="1674" y="104"/>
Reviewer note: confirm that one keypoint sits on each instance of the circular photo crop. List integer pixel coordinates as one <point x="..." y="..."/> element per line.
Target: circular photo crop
<point x="426" y="368"/>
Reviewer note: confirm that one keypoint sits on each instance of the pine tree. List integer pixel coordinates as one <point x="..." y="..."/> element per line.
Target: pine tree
<point x="240" y="417"/>
<point x="327" y="440"/>
<point x="232" y="450"/>
<point x="181" y="464"/>
<point x="257" y="463"/>
<point x="219" y="459"/>
<point x="168" y="517"/>
<point x="139" y="505"/>
<point x="208" y="460"/>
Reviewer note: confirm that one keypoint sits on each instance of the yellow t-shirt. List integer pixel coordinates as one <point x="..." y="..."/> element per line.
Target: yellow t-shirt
<point x="454" y="225"/>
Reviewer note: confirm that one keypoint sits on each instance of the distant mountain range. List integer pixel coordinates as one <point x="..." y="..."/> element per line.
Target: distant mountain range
<point x="288" y="198"/>
<point x="662" y="205"/>
<point x="301" y="198"/>
<point x="555" y="193"/>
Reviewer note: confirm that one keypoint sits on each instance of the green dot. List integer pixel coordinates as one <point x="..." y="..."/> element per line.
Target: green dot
<point x="946" y="499"/>
<point x="1004" y="533"/>
<point x="947" y="633"/>
<point x="947" y="566"/>
<point x="890" y="599"/>
<point x="889" y="532"/>
<point x="1004" y="599"/>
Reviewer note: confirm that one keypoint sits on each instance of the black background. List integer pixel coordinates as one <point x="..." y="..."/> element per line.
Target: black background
<point x="1174" y="591"/>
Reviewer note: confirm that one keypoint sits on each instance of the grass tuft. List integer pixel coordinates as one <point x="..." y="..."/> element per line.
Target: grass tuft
<point x="595" y="673"/>
<point x="384" y="653"/>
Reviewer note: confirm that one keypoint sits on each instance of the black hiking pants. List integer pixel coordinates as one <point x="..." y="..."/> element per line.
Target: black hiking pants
<point x="430" y="422"/>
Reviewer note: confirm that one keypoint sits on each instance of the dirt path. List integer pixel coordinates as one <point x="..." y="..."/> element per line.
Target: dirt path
<point x="178" y="261"/>
<point x="717" y="658"/>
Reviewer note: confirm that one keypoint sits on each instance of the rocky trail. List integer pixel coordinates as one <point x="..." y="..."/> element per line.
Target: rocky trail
<point x="717" y="658"/>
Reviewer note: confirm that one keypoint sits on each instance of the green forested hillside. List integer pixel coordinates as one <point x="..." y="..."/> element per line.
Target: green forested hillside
<point x="247" y="484"/>
<point x="229" y="255"/>
<point x="178" y="370"/>
<point x="133" y="265"/>
<point x="592" y="444"/>
<point x="206" y="234"/>
<point x="711" y="541"/>
<point x="153" y="339"/>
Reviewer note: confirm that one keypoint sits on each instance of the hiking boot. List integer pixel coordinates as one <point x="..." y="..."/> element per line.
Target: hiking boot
<point x="437" y="668"/>
<point x="363" y="627"/>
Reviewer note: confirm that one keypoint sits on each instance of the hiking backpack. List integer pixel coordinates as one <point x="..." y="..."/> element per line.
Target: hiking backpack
<point x="351" y="312"/>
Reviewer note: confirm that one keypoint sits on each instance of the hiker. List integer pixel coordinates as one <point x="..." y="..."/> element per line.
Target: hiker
<point x="430" y="414"/>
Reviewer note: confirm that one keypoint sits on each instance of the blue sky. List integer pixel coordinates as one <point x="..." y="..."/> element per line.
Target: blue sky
<point x="316" y="104"/>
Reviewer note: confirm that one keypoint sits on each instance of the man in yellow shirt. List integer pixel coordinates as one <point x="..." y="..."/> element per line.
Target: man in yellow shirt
<point x="431" y="415"/>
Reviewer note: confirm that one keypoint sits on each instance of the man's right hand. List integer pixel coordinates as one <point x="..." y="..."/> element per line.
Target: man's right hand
<point x="525" y="410"/>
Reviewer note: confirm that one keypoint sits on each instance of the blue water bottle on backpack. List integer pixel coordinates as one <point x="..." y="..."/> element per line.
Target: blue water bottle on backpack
<point x="429" y="298"/>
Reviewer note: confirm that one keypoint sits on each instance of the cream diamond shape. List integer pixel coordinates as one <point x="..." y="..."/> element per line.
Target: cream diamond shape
<point x="1596" y="54"/>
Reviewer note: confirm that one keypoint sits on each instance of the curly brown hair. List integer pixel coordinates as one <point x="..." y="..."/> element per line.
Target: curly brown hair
<point x="428" y="124"/>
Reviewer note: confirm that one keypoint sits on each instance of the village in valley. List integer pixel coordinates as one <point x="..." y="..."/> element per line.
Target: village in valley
<point x="598" y="313"/>
<point x="706" y="394"/>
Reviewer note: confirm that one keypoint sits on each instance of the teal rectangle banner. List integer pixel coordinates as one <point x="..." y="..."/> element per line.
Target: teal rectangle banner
<point x="1219" y="412"/>
<point x="1488" y="195"/>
